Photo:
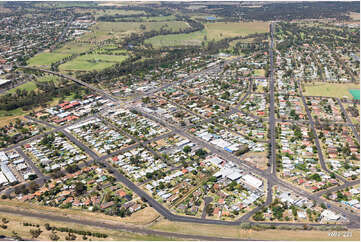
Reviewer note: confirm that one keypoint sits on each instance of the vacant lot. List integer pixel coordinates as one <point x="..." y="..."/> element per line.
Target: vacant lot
<point x="330" y="89"/>
<point x="221" y="30"/>
<point x="16" y="224"/>
<point x="92" y="62"/>
<point x="212" y="31"/>
<point x="142" y="217"/>
<point x="355" y="16"/>
<point x="237" y="232"/>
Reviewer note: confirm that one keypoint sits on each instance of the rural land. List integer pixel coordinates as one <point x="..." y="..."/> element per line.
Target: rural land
<point x="189" y="120"/>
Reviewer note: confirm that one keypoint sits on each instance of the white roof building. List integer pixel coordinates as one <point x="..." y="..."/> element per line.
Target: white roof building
<point x="252" y="181"/>
<point x="3" y="157"/>
<point x="234" y="176"/>
<point x="329" y="215"/>
<point x="3" y="179"/>
<point x="215" y="160"/>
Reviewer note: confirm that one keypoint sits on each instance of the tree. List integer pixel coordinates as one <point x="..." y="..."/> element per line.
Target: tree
<point x="33" y="186"/>
<point x="323" y="206"/>
<point x="142" y="27"/>
<point x="187" y="149"/>
<point x="72" y="168"/>
<point x="16" y="236"/>
<point x="35" y="233"/>
<point x="53" y="236"/>
<point x="5" y="220"/>
<point x="80" y="188"/>
<point x="70" y="236"/>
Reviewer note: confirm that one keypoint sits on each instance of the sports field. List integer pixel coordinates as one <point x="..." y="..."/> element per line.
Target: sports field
<point x="330" y="89"/>
<point x="91" y="62"/>
<point x="212" y="31"/>
<point x="46" y="58"/>
<point x="355" y="93"/>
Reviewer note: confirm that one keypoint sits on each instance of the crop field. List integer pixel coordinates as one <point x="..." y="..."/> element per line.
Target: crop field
<point x="212" y="31"/>
<point x="46" y="58"/>
<point x="330" y="89"/>
<point x="108" y="30"/>
<point x="92" y="62"/>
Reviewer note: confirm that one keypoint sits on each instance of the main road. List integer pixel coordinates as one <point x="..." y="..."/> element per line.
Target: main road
<point x="273" y="161"/>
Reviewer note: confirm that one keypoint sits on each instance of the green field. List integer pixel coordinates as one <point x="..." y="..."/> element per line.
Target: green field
<point x="117" y="11"/>
<point x="157" y="18"/>
<point x="194" y="38"/>
<point x="108" y="30"/>
<point x="31" y="85"/>
<point x="46" y="58"/>
<point x="74" y="48"/>
<point x="259" y="72"/>
<point x="212" y="31"/>
<point x="330" y="89"/>
<point x="14" y="112"/>
<point x="92" y="62"/>
<point x="110" y="50"/>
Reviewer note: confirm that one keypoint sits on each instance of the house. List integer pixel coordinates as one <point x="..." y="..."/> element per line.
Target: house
<point x="217" y="212"/>
<point x="121" y="193"/>
<point x="107" y="205"/>
<point x="135" y="208"/>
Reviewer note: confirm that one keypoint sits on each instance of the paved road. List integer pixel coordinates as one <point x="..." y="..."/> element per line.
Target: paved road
<point x="42" y="134"/>
<point x="272" y="179"/>
<point x="61" y="37"/>
<point x="30" y="163"/>
<point x="349" y="120"/>
<point x="83" y="147"/>
<point x="317" y="142"/>
<point x="338" y="188"/>
<point x="269" y="175"/>
<point x="273" y="162"/>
